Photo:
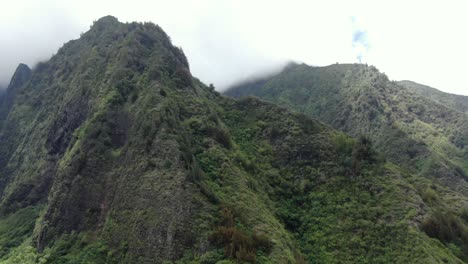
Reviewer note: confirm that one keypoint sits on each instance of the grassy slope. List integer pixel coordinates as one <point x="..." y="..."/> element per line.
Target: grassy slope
<point x="116" y="154"/>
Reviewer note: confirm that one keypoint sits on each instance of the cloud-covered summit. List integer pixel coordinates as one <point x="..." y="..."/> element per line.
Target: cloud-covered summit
<point x="226" y="41"/>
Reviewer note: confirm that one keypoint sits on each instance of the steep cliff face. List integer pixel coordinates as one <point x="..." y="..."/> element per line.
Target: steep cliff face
<point x="7" y="100"/>
<point x="111" y="152"/>
<point x="85" y="136"/>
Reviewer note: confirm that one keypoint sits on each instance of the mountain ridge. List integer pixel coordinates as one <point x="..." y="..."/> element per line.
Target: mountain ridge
<point x="416" y="132"/>
<point x="339" y="85"/>
<point x="458" y="102"/>
<point x="20" y="77"/>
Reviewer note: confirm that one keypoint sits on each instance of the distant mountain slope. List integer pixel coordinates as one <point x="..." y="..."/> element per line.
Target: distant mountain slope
<point x="7" y="97"/>
<point x="111" y="152"/>
<point x="458" y="102"/>
<point x="414" y="131"/>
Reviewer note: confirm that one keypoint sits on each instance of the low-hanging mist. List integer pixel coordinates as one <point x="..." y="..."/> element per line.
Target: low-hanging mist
<point x="228" y="41"/>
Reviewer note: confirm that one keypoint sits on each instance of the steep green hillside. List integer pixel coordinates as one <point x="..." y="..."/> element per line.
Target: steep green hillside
<point x="458" y="102"/>
<point x="111" y="152"/>
<point x="419" y="133"/>
<point x="412" y="130"/>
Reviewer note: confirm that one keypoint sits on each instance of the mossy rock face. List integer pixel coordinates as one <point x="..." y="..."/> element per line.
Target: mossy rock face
<point x="113" y="153"/>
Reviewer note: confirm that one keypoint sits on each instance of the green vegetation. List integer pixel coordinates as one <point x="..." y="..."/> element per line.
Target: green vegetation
<point x="412" y="130"/>
<point x="449" y="229"/>
<point x="420" y="129"/>
<point x="16" y="228"/>
<point x="114" y="153"/>
<point x="238" y="244"/>
<point x="458" y="102"/>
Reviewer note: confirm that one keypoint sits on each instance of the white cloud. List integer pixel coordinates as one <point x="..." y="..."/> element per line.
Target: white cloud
<point x="424" y="41"/>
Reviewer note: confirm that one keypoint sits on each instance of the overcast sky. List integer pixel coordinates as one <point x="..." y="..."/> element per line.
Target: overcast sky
<point x="423" y="41"/>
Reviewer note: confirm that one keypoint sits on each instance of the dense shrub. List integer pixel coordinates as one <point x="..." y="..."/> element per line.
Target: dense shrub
<point x="299" y="258"/>
<point x="448" y="228"/>
<point x="196" y="173"/>
<point x="220" y="135"/>
<point x="238" y="244"/>
<point x="430" y="196"/>
<point x="362" y="154"/>
<point x="344" y="144"/>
